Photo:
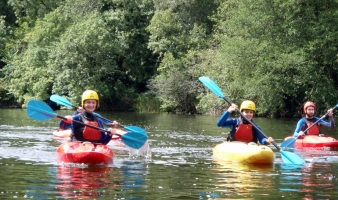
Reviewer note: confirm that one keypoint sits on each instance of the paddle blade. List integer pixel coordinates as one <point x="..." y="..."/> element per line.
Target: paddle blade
<point x="39" y="110"/>
<point x="211" y="85"/>
<point x="291" y="158"/>
<point x="60" y="100"/>
<point x="289" y="143"/>
<point x="134" y="140"/>
<point x="135" y="129"/>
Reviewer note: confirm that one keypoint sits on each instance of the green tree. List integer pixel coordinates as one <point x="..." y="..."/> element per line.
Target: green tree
<point x="80" y="45"/>
<point x="30" y="10"/>
<point x="179" y="30"/>
<point x="274" y="53"/>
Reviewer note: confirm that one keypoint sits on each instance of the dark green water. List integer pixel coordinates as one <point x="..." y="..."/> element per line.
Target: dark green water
<point x="181" y="166"/>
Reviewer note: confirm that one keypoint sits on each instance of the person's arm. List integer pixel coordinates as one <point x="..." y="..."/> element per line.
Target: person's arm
<point x="330" y="124"/>
<point x="107" y="122"/>
<point x="224" y="122"/>
<point x="263" y="141"/>
<point x="78" y="110"/>
<point x="106" y="137"/>
<point x="261" y="138"/>
<point x="333" y="124"/>
<point x="298" y="127"/>
<point x="63" y="125"/>
<point x="223" y="119"/>
<point x="77" y="128"/>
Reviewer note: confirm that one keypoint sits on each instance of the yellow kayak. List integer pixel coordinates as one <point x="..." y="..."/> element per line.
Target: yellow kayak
<point x="250" y="153"/>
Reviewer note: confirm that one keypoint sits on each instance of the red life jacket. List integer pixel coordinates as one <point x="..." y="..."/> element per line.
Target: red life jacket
<point x="314" y="130"/>
<point x="244" y="133"/>
<point x="91" y="134"/>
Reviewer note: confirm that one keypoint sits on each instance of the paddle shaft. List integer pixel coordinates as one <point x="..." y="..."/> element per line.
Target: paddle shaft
<point x="254" y="125"/>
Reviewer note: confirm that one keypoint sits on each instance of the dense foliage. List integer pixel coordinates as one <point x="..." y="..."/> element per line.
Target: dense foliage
<point x="148" y="54"/>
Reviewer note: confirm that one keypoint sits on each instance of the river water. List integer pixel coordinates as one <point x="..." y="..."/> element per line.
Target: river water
<point x="180" y="167"/>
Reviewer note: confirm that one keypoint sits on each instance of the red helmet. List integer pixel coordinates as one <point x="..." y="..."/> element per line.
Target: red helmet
<point x="309" y="104"/>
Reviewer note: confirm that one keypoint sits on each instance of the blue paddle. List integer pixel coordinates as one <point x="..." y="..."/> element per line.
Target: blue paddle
<point x="287" y="157"/>
<point x="38" y="110"/>
<point x="63" y="101"/>
<point x="289" y="143"/>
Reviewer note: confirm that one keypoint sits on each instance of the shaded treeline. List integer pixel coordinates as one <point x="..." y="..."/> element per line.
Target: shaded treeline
<point x="147" y="55"/>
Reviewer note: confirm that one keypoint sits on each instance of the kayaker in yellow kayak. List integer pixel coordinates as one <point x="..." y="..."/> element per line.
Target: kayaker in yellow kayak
<point x="310" y="119"/>
<point x="90" y="101"/>
<point x="242" y="130"/>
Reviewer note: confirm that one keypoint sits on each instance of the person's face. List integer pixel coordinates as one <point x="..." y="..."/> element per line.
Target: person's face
<point x="90" y="105"/>
<point x="310" y="111"/>
<point x="248" y="114"/>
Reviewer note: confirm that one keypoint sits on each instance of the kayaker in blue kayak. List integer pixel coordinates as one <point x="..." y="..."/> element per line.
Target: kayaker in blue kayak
<point x="242" y="130"/>
<point x="310" y="119"/>
<point x="90" y="101"/>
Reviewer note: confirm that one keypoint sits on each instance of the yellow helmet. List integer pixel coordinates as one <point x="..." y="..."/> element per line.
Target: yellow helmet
<point x="90" y="94"/>
<point x="248" y="105"/>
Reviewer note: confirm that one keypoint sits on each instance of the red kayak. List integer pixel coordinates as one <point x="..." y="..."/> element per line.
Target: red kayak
<point x="84" y="152"/>
<point x="313" y="141"/>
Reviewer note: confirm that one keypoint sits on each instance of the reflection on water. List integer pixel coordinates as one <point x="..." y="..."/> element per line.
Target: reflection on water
<point x="314" y="183"/>
<point x="237" y="179"/>
<point x="100" y="181"/>
<point x="75" y="182"/>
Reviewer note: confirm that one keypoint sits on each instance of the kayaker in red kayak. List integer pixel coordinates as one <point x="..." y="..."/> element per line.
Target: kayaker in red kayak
<point x="64" y="126"/>
<point x="309" y="119"/>
<point x="90" y="101"/>
<point x="242" y="130"/>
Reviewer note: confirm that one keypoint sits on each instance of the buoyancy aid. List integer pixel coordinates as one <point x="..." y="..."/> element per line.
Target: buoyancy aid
<point x="89" y="133"/>
<point x="314" y="130"/>
<point x="243" y="132"/>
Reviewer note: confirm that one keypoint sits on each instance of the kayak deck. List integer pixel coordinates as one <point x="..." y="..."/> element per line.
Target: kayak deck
<point x="84" y="152"/>
<point x="241" y="152"/>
